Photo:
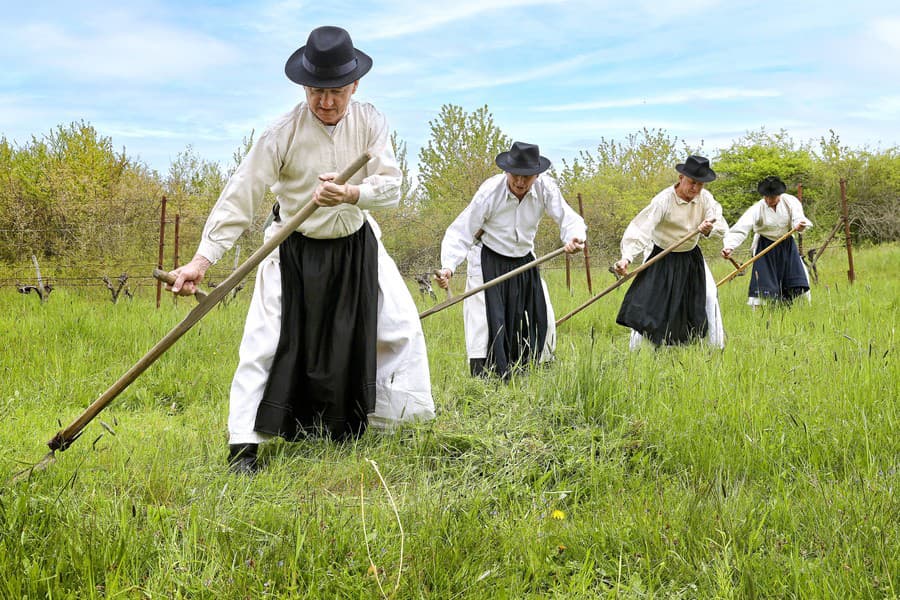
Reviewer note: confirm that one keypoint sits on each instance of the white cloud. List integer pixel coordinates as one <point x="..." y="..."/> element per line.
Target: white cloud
<point x="469" y="80"/>
<point x="683" y="97"/>
<point x="414" y="17"/>
<point x="132" y="51"/>
<point x="885" y="108"/>
<point x="887" y="31"/>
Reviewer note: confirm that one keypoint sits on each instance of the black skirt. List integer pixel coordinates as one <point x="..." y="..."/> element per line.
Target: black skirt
<point x="516" y="313"/>
<point x="666" y="303"/>
<point x="322" y="380"/>
<point x="779" y="275"/>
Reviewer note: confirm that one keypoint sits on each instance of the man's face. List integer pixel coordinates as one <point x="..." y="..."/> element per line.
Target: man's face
<point x="688" y="188"/>
<point x="330" y="104"/>
<point x="772" y="201"/>
<point x="519" y="184"/>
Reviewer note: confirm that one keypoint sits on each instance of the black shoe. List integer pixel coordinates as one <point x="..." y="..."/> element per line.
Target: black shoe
<point x="478" y="367"/>
<point x="242" y="459"/>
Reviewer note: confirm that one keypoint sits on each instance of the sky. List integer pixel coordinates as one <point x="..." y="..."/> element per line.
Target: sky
<point x="159" y="76"/>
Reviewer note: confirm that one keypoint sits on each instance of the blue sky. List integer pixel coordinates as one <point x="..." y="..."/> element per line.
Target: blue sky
<point x="156" y="76"/>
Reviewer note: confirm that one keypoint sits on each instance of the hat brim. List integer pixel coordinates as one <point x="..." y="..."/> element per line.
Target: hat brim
<point x="502" y="161"/>
<point x="294" y="70"/>
<point x="710" y="176"/>
<point x="776" y="190"/>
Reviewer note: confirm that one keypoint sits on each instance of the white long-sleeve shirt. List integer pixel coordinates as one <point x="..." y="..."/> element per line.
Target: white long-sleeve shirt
<point x="508" y="224"/>
<point x="667" y="219"/>
<point x="767" y="222"/>
<point x="289" y="157"/>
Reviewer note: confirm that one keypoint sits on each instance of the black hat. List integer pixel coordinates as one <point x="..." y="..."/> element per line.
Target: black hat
<point x="522" y="159"/>
<point x="697" y="168"/>
<point x="328" y="60"/>
<point x="771" y="186"/>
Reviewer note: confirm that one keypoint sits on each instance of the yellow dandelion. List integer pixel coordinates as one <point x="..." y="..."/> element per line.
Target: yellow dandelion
<point x="558" y="515"/>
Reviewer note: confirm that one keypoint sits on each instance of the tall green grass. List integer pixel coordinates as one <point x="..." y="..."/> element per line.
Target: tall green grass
<point x="766" y="470"/>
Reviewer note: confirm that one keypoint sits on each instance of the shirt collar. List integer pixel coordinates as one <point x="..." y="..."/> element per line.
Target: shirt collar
<point x="511" y="196"/>
<point x="680" y="200"/>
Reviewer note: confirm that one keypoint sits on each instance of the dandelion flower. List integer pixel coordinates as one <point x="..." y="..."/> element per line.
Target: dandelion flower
<point x="558" y="515"/>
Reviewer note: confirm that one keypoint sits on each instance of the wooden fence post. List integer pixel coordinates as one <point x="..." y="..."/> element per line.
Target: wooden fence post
<point x="40" y="280"/>
<point x="162" y="237"/>
<point x="800" y="235"/>
<point x="587" y="252"/>
<point x="177" y="258"/>
<point x="845" y="211"/>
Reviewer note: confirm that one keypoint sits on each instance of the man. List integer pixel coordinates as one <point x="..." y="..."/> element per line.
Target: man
<point x="779" y="275"/>
<point x="511" y="324"/>
<point x="332" y="341"/>
<point x="674" y="301"/>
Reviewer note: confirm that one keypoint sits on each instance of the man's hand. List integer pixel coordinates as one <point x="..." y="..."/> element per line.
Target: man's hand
<point x="801" y="226"/>
<point x="331" y="194"/>
<point x="442" y="276"/>
<point x="189" y="276"/>
<point x="726" y="252"/>
<point x="621" y="267"/>
<point x="574" y="245"/>
<point x="706" y="227"/>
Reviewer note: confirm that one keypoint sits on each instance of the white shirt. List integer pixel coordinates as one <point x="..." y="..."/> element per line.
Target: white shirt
<point x="289" y="157"/>
<point x="667" y="219"/>
<point x="767" y="222"/>
<point x="509" y="225"/>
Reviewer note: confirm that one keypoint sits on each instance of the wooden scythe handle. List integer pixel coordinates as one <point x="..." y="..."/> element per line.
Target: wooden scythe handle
<point x="628" y="276"/>
<point x="759" y="255"/>
<point x="167" y="277"/>
<point x="64" y="438"/>
<point x="453" y="300"/>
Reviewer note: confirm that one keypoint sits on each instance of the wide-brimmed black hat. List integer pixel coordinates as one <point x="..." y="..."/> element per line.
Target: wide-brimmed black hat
<point x="697" y="168"/>
<point x="328" y="60"/>
<point x="771" y="186"/>
<point x="522" y="159"/>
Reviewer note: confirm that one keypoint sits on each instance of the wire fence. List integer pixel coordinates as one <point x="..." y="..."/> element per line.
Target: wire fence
<point x="119" y="254"/>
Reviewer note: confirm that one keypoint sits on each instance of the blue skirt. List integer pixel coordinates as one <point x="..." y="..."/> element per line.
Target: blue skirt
<point x="779" y="275"/>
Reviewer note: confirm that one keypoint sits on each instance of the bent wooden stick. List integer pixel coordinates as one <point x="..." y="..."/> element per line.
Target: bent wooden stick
<point x="756" y="257"/>
<point x="491" y="283"/>
<point x="64" y="438"/>
<point x="628" y="276"/>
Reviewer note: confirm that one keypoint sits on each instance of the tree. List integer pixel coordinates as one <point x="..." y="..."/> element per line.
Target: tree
<point x="872" y="183"/>
<point x="752" y="158"/>
<point x="619" y="180"/>
<point x="457" y="159"/>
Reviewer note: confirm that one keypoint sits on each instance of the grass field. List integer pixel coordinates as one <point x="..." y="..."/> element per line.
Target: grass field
<point x="768" y="470"/>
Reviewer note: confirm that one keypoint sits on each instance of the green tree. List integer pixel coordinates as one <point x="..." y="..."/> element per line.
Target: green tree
<point x="459" y="156"/>
<point x="872" y="182"/>
<point x="755" y="156"/>
<point x="457" y="159"/>
<point x="618" y="180"/>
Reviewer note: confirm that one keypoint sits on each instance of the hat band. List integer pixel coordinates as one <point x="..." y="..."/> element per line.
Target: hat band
<point x="330" y="72"/>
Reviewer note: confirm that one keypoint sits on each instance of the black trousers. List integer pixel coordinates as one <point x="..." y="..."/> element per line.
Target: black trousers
<point x="322" y="380"/>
